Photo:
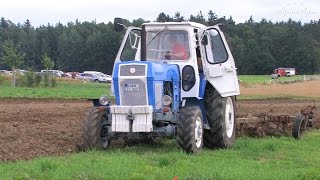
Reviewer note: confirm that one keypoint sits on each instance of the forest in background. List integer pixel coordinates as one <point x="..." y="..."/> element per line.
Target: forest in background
<point x="257" y="47"/>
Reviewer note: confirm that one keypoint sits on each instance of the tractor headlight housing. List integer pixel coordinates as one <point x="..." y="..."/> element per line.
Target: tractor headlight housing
<point x="166" y="100"/>
<point x="188" y="78"/>
<point x="104" y="100"/>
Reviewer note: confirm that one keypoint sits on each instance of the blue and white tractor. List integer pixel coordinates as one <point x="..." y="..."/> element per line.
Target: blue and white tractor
<point x="159" y="94"/>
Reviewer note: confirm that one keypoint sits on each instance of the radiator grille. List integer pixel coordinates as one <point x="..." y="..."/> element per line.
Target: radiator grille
<point x="133" y="92"/>
<point x="133" y="70"/>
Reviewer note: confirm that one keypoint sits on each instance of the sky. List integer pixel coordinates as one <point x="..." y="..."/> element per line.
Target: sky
<point x="42" y="12"/>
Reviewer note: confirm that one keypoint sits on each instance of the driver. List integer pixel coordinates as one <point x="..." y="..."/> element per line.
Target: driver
<point x="178" y="51"/>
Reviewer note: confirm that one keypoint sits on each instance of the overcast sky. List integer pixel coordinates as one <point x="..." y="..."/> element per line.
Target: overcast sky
<point x="42" y="12"/>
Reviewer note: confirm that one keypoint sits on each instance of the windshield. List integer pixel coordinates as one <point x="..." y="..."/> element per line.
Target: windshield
<point x="168" y="45"/>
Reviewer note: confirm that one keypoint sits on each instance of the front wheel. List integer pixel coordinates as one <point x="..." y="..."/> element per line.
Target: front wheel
<point x="96" y="129"/>
<point x="190" y="129"/>
<point x="298" y="126"/>
<point x="220" y="112"/>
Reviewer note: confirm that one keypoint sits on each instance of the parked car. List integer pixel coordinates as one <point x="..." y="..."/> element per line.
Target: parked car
<point x="72" y="75"/>
<point x="5" y="72"/>
<point x="67" y="75"/>
<point x="21" y="71"/>
<point x="91" y="77"/>
<point x="56" y="73"/>
<point x="104" y="76"/>
<point x="109" y="78"/>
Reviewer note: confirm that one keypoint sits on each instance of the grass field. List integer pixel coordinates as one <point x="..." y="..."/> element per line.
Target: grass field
<point x="269" y="158"/>
<point x="266" y="79"/>
<point x="64" y="89"/>
<point x="74" y="89"/>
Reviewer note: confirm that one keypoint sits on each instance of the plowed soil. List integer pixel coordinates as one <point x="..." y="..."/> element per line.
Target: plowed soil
<point x="303" y="88"/>
<point x="31" y="128"/>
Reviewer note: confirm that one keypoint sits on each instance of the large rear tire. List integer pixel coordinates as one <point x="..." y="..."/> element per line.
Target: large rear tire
<point x="297" y="129"/>
<point x="220" y="112"/>
<point x="190" y="129"/>
<point x="95" y="129"/>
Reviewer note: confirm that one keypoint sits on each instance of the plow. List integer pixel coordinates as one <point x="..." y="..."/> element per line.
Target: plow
<point x="278" y="125"/>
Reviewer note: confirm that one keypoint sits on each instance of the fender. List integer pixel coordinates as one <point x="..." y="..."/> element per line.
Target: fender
<point x="200" y="103"/>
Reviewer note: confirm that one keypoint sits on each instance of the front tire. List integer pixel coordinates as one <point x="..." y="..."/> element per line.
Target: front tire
<point x="95" y="129"/>
<point x="220" y="112"/>
<point x="190" y="129"/>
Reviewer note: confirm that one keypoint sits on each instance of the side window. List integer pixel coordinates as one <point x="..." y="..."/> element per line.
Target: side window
<point x="131" y="46"/>
<point x="153" y="49"/>
<point x="215" y="49"/>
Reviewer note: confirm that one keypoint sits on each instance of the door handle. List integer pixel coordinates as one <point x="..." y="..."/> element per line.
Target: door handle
<point x="228" y="68"/>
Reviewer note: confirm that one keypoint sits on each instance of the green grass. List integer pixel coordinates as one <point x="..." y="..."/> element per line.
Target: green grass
<point x="266" y="79"/>
<point x="68" y="90"/>
<point x="72" y="89"/>
<point x="254" y="79"/>
<point x="269" y="158"/>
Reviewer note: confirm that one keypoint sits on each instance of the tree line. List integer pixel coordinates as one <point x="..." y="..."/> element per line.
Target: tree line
<point x="258" y="47"/>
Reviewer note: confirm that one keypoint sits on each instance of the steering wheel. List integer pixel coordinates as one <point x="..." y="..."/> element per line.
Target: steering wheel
<point x="166" y="55"/>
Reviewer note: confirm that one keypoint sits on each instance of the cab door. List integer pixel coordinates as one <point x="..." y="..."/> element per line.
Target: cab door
<point x="130" y="46"/>
<point x="219" y="67"/>
<point x="129" y="49"/>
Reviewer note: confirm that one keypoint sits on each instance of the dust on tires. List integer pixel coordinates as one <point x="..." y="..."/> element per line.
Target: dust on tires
<point x="220" y="113"/>
<point x="190" y="129"/>
<point x="95" y="129"/>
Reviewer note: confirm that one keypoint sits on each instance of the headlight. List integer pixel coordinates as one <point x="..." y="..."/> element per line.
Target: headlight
<point x="166" y="100"/>
<point x="104" y="100"/>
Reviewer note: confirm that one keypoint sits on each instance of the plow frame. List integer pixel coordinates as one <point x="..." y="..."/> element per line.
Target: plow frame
<point x="298" y="124"/>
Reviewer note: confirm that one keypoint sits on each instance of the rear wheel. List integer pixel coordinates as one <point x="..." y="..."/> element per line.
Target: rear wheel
<point x="190" y="129"/>
<point x="298" y="126"/>
<point x="220" y="112"/>
<point x="95" y="129"/>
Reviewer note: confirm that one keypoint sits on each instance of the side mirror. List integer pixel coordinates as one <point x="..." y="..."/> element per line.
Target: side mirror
<point x="118" y="24"/>
<point x="204" y="40"/>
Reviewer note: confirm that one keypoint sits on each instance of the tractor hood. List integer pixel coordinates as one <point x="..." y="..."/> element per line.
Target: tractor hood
<point x="141" y="82"/>
<point x="152" y="70"/>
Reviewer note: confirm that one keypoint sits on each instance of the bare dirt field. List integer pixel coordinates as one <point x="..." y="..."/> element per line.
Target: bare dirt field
<point x="31" y="128"/>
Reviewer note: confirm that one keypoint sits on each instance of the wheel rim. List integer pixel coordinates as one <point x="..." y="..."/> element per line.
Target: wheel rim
<point x="104" y="134"/>
<point x="198" y="132"/>
<point x="229" y="117"/>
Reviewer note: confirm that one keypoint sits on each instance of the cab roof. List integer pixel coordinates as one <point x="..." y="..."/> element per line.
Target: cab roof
<point x="188" y="23"/>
